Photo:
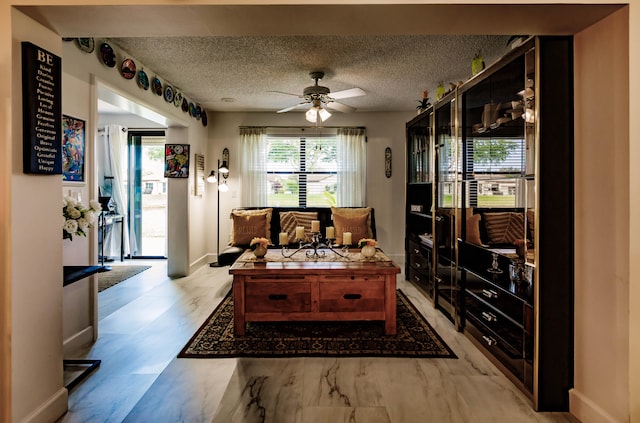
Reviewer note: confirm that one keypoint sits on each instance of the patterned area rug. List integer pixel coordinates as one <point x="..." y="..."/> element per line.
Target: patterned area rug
<point x="415" y="338"/>
<point x="118" y="274"/>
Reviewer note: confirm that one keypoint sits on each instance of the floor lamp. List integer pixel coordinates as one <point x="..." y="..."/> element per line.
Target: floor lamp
<point x="221" y="180"/>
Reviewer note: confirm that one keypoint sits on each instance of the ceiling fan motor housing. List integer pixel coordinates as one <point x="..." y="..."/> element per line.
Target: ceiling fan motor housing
<point x="316" y="91"/>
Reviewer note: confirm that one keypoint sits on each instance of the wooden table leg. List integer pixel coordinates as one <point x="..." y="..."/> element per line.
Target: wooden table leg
<point x="238" y="306"/>
<point x="390" y="305"/>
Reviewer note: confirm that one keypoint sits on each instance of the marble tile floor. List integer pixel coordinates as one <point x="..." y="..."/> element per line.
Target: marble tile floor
<point x="146" y="320"/>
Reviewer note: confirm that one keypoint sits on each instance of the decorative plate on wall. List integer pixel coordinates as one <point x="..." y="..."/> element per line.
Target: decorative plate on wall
<point x="156" y="85"/>
<point x="128" y="69"/>
<point x="143" y="80"/>
<point x="198" y="112"/>
<point x="107" y="55"/>
<point x="204" y="118"/>
<point x="168" y="94"/>
<point x="86" y="44"/>
<point x="177" y="99"/>
<point x="185" y="105"/>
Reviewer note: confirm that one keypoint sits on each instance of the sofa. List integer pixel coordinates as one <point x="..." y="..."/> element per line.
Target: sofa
<point x="269" y="222"/>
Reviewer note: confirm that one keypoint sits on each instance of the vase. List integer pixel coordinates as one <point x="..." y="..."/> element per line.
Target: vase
<point x="368" y="251"/>
<point x="260" y="251"/>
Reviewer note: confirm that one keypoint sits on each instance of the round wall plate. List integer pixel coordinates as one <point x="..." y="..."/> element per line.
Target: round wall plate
<point x="177" y="99"/>
<point x="168" y="94"/>
<point x="156" y="85"/>
<point x="143" y="80"/>
<point x="204" y="118"/>
<point x="185" y="105"/>
<point x="128" y="69"/>
<point x="86" y="44"/>
<point x="107" y="55"/>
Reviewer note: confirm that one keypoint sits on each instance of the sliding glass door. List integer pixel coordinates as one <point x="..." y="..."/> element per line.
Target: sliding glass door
<point x="147" y="189"/>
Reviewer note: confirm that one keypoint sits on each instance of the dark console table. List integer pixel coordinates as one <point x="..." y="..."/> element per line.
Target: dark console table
<point x="73" y="274"/>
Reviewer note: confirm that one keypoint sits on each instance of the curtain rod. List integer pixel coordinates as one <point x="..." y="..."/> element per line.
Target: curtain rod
<point x="302" y="127"/>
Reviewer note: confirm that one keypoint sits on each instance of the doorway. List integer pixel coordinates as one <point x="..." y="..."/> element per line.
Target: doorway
<point x="147" y="193"/>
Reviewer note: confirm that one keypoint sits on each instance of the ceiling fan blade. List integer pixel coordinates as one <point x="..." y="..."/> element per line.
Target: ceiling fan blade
<point x="292" y="107"/>
<point x="352" y="92"/>
<point x="340" y="107"/>
<point x="282" y="92"/>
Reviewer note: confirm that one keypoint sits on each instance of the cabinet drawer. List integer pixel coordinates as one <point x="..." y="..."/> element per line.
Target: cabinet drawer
<point x="510" y="334"/>
<point x="507" y="303"/>
<point x="420" y="278"/>
<point x="518" y="366"/>
<point x="351" y="296"/>
<point x="419" y="262"/>
<point x="366" y="279"/>
<point x="277" y="297"/>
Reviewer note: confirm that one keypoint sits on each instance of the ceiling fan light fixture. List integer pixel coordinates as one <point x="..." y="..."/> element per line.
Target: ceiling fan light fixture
<point x="324" y="114"/>
<point x="312" y="114"/>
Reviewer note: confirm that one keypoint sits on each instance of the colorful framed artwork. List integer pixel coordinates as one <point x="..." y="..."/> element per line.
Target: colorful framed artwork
<point x="176" y="160"/>
<point x="73" y="144"/>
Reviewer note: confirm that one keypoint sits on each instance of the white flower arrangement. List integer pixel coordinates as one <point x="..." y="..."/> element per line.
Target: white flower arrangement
<point x="78" y="218"/>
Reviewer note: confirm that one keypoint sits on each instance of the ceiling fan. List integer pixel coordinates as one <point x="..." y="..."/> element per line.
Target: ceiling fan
<point x="322" y="98"/>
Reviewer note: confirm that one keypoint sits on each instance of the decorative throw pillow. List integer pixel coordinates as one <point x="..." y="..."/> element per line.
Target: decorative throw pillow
<point x="504" y="227"/>
<point x="473" y="229"/>
<point x="355" y="224"/>
<point x="243" y="225"/>
<point x="352" y="212"/>
<point x="290" y="220"/>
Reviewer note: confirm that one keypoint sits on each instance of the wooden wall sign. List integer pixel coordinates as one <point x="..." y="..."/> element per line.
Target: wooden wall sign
<point x="41" y="110"/>
<point x="387" y="162"/>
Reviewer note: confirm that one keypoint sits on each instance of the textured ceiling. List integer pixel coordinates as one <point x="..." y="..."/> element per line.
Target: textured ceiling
<point x="392" y="70"/>
<point x="243" y="51"/>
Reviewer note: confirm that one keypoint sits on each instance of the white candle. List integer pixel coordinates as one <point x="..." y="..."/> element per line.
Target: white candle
<point x="299" y="232"/>
<point x="346" y="238"/>
<point x="315" y="226"/>
<point x="284" y="238"/>
<point x="331" y="232"/>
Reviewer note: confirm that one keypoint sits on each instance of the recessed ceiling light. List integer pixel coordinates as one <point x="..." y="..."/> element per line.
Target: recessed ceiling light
<point x="227" y="99"/>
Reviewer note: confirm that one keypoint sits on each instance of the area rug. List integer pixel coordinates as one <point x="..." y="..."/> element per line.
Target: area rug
<point x="118" y="274"/>
<point x="415" y="337"/>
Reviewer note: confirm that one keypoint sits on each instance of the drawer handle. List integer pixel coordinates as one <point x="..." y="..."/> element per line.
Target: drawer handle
<point x="352" y="296"/>
<point x="489" y="340"/>
<point x="489" y="293"/>
<point x="277" y="297"/>
<point x="417" y="278"/>
<point x="489" y="317"/>
<point x="418" y="265"/>
<point x="416" y="251"/>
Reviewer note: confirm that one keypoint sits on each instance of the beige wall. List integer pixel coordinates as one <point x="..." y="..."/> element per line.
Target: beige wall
<point x="36" y="288"/>
<point x="36" y="365"/>
<point x="602" y="222"/>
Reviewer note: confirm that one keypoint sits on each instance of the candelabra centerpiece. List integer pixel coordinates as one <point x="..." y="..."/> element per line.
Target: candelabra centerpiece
<point x="315" y="248"/>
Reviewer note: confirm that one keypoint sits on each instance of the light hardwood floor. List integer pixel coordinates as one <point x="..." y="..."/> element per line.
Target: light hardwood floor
<point x="146" y="320"/>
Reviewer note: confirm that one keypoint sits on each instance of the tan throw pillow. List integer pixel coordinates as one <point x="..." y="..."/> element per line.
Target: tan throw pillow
<point x="473" y="229"/>
<point x="357" y="225"/>
<point x="352" y="212"/>
<point x="244" y="225"/>
<point x="290" y="220"/>
<point x="504" y="227"/>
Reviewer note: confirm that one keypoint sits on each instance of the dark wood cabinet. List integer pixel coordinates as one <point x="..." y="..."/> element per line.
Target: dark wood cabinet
<point x="501" y="222"/>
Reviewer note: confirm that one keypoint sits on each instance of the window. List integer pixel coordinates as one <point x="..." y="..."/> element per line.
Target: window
<point x="301" y="171"/>
<point x="495" y="169"/>
<point x="280" y="169"/>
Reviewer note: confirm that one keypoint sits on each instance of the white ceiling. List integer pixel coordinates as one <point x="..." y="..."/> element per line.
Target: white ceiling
<point x="392" y="52"/>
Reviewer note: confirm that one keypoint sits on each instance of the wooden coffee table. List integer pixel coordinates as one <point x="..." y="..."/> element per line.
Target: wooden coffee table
<point x="310" y="290"/>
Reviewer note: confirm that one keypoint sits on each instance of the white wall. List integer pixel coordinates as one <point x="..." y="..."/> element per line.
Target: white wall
<point x="36" y="253"/>
<point x="384" y="194"/>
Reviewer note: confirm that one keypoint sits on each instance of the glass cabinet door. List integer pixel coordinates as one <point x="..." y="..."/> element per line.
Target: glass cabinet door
<point x="447" y="170"/>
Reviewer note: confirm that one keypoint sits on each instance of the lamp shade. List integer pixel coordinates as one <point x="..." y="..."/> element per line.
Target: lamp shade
<point x="224" y="168"/>
<point x="223" y="187"/>
<point x="212" y="177"/>
<point x="312" y="115"/>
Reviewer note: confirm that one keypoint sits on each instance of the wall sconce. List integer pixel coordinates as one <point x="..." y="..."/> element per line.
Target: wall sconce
<point x="223" y="174"/>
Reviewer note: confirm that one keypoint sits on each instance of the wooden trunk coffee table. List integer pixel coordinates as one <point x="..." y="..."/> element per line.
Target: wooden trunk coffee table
<point x="309" y="290"/>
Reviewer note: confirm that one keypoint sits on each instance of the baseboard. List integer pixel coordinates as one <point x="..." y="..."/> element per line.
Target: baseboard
<point x="586" y="410"/>
<point x="204" y="260"/>
<point x="51" y="410"/>
<point x="80" y="339"/>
